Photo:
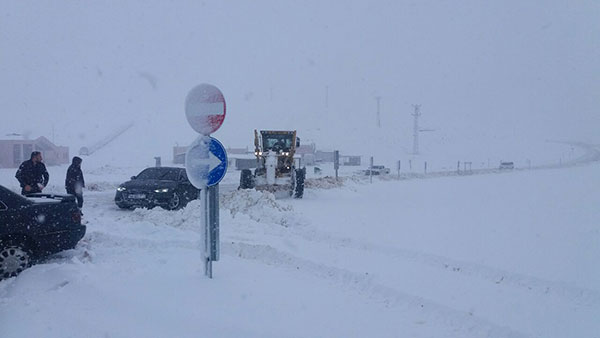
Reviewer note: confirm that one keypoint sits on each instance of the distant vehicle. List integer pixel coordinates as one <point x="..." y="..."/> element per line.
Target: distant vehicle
<point x="507" y="165"/>
<point x="377" y="170"/>
<point x="276" y="171"/>
<point x="167" y="187"/>
<point x="34" y="227"/>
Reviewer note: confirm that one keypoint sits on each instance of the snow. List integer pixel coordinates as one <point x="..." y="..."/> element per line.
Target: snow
<point x="443" y="253"/>
<point x="488" y="255"/>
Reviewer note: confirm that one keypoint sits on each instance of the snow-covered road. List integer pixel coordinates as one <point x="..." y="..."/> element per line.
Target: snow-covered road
<point x="474" y="256"/>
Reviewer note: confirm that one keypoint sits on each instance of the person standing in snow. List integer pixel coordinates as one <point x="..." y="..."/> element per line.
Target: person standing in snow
<point x="32" y="174"/>
<point x="74" y="182"/>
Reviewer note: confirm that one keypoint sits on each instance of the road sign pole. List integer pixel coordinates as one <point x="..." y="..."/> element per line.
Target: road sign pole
<point x="206" y="162"/>
<point x="210" y="218"/>
<point x="206" y="165"/>
<point x="213" y="222"/>
<point x="204" y="220"/>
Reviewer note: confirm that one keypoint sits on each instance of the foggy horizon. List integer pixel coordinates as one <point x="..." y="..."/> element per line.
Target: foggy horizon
<point x="495" y="75"/>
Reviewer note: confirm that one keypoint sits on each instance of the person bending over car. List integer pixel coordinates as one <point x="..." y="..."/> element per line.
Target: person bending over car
<point x="32" y="174"/>
<point x="74" y="182"/>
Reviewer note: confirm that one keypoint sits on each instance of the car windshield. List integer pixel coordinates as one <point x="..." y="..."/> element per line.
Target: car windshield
<point x="277" y="142"/>
<point x="159" y="174"/>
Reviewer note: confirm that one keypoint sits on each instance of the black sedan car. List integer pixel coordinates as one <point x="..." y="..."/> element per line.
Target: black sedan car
<point x="167" y="187"/>
<point x="35" y="226"/>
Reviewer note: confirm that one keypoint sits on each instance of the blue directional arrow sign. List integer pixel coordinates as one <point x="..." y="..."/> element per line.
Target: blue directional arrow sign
<point x="206" y="162"/>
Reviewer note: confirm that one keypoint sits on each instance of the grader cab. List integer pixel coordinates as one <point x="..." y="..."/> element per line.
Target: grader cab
<point x="276" y="169"/>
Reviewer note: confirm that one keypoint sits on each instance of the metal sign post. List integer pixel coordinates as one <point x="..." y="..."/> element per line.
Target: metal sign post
<point x="206" y="163"/>
<point x="213" y="224"/>
<point x="209" y="199"/>
<point x="204" y="226"/>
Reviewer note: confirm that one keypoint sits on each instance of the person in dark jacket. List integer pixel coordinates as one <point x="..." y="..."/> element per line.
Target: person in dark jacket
<point x="32" y="174"/>
<point x="74" y="182"/>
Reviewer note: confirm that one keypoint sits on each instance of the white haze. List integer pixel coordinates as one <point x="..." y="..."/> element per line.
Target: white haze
<point x="495" y="79"/>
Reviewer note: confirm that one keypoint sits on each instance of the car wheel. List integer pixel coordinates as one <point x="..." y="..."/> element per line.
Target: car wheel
<point x="124" y="206"/>
<point x="120" y="203"/>
<point x="246" y="179"/>
<point x="14" y="258"/>
<point x="175" y="203"/>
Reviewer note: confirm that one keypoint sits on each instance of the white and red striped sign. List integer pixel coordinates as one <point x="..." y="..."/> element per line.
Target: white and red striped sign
<point x="205" y="108"/>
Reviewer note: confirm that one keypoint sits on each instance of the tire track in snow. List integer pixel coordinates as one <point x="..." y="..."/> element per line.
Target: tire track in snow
<point x="535" y="284"/>
<point x="118" y="241"/>
<point x="461" y="323"/>
<point x="491" y="274"/>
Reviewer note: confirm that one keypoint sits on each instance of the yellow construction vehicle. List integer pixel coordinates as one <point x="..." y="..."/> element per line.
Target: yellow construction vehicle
<point x="276" y="169"/>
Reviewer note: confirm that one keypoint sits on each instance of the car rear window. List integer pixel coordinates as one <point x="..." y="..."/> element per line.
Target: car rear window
<point x="9" y="198"/>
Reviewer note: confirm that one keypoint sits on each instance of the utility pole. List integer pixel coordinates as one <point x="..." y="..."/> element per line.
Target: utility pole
<point x="378" y="98"/>
<point x="416" y="115"/>
<point x="371" y="170"/>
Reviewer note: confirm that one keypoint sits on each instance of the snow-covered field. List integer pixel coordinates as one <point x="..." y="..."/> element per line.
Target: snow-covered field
<point x="451" y="246"/>
<point x="496" y="255"/>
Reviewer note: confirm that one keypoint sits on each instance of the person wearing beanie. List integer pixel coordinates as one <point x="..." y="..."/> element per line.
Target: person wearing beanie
<point x="74" y="183"/>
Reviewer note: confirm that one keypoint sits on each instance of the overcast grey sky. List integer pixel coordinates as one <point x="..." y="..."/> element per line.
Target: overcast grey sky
<point x="492" y="70"/>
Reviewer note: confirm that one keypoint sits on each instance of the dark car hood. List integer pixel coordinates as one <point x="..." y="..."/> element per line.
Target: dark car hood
<point x="149" y="184"/>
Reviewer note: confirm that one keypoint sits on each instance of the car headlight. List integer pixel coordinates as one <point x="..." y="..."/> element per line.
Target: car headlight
<point x="161" y="190"/>
<point x="121" y="189"/>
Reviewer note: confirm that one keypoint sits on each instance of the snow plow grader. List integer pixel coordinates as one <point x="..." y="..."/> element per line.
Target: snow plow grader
<point x="276" y="170"/>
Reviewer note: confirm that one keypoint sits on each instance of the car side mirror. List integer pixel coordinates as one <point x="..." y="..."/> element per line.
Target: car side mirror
<point x="133" y="177"/>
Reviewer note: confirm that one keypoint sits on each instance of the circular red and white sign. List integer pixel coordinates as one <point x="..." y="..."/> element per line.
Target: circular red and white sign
<point x="205" y="108"/>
